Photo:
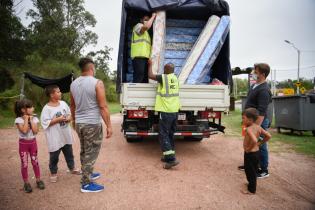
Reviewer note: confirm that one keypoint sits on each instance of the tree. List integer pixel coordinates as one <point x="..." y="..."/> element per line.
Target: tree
<point x="60" y="28"/>
<point x="306" y="83"/>
<point x="101" y="58"/>
<point x="12" y="34"/>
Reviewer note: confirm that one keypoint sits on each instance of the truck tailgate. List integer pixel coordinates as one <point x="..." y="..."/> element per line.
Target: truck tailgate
<point x="192" y="97"/>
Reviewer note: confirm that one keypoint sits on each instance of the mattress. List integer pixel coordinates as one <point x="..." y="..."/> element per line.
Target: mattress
<point x="198" y="48"/>
<point x="158" y="43"/>
<point x="181" y="36"/>
<point x="205" y="61"/>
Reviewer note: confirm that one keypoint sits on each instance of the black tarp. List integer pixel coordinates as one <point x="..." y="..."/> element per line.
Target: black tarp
<point x="63" y="83"/>
<point x="132" y="10"/>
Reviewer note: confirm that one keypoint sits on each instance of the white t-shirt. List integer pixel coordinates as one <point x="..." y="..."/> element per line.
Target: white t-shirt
<point x="58" y="134"/>
<point x="29" y="135"/>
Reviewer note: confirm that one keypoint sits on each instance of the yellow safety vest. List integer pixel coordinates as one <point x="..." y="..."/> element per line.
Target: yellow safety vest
<point x="167" y="97"/>
<point x="140" y="45"/>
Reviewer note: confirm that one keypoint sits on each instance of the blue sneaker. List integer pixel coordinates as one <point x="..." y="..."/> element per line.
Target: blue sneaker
<point x="92" y="187"/>
<point x="95" y="176"/>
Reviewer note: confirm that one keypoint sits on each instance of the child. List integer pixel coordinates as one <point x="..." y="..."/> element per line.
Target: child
<point x="251" y="147"/>
<point x="27" y="126"/>
<point x="55" y="118"/>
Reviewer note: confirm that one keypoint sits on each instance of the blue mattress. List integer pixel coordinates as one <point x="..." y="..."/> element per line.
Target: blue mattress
<point x="203" y="66"/>
<point x="180" y="38"/>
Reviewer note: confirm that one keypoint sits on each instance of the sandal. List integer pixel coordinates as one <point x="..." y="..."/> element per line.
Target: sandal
<point x="76" y="172"/>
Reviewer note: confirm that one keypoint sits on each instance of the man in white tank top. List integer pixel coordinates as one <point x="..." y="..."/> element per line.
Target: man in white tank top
<point x="88" y="106"/>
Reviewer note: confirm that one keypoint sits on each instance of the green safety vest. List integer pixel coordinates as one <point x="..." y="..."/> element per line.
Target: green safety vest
<point x="140" y="45"/>
<point x="167" y="96"/>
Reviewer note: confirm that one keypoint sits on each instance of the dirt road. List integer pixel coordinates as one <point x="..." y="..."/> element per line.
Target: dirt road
<point x="207" y="177"/>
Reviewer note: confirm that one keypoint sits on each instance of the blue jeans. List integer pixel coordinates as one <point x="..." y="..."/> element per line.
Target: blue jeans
<point x="263" y="149"/>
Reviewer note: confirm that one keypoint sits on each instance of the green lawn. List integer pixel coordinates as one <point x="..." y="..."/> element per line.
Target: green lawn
<point x="7" y="117"/>
<point x="114" y="108"/>
<point x="304" y="144"/>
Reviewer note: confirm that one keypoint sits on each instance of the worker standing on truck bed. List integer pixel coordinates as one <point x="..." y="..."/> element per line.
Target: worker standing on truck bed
<point x="167" y="104"/>
<point x="141" y="48"/>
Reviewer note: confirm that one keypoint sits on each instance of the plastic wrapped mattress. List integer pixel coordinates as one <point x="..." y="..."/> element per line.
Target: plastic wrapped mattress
<point x="198" y="48"/>
<point x="205" y="61"/>
<point x="181" y="36"/>
<point x="158" y="43"/>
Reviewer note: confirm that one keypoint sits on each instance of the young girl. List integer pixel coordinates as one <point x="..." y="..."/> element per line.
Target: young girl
<point x="28" y="128"/>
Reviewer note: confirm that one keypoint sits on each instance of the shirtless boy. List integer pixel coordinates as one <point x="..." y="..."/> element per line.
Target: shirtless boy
<point x="251" y="147"/>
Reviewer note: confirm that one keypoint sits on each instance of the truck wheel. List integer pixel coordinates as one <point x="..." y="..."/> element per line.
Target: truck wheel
<point x="133" y="139"/>
<point x="189" y="138"/>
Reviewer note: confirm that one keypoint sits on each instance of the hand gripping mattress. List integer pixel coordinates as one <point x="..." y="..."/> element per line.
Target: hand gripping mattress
<point x="205" y="61"/>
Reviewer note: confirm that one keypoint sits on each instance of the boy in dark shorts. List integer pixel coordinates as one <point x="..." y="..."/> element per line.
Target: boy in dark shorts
<point x="251" y="147"/>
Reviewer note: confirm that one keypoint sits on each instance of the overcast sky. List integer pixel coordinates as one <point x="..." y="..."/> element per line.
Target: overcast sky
<point x="258" y="31"/>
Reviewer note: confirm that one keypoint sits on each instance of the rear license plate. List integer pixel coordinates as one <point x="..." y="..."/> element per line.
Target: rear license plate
<point x="181" y="116"/>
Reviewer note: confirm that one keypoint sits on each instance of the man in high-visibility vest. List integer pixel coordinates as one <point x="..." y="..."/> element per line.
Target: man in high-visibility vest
<point x="167" y="104"/>
<point x="141" y="49"/>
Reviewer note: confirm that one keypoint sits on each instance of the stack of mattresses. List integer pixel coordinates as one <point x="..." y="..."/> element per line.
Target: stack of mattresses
<point x="202" y="67"/>
<point x="191" y="45"/>
<point x="180" y="38"/>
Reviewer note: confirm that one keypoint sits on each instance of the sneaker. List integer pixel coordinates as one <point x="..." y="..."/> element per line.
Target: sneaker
<point x="171" y="164"/>
<point x="40" y="185"/>
<point x="263" y="174"/>
<point x="53" y="178"/>
<point x="241" y="168"/>
<point x="27" y="188"/>
<point x="95" y="176"/>
<point x="92" y="187"/>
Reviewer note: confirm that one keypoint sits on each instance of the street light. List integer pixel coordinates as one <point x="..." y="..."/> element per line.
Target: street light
<point x="299" y="52"/>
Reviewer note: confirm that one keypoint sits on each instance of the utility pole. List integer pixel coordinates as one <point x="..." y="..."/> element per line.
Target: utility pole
<point x="298" y="73"/>
<point x="275" y="80"/>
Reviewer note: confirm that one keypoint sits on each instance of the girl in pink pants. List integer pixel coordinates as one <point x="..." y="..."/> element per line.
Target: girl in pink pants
<point x="28" y="127"/>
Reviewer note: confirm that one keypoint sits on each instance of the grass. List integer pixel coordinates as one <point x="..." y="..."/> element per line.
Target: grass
<point x="279" y="142"/>
<point x="114" y="108"/>
<point x="7" y="117"/>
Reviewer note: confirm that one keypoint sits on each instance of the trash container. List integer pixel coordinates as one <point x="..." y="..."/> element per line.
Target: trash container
<point x="296" y="113"/>
<point x="269" y="111"/>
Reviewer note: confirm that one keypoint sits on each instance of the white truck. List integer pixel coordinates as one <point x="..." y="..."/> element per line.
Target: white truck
<point x="201" y="105"/>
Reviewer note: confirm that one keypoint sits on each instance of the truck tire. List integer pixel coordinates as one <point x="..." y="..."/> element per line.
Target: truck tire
<point x="133" y="139"/>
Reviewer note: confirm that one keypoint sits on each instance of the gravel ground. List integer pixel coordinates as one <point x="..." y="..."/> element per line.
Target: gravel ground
<point x="206" y="178"/>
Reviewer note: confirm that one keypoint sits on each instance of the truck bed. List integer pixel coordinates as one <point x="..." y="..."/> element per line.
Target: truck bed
<point x="192" y="97"/>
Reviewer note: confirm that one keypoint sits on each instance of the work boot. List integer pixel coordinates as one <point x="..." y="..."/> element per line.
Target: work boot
<point x="163" y="160"/>
<point x="170" y="164"/>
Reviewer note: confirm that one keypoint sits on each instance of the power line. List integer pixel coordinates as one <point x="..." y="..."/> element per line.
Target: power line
<point x="308" y="51"/>
<point x="294" y="69"/>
